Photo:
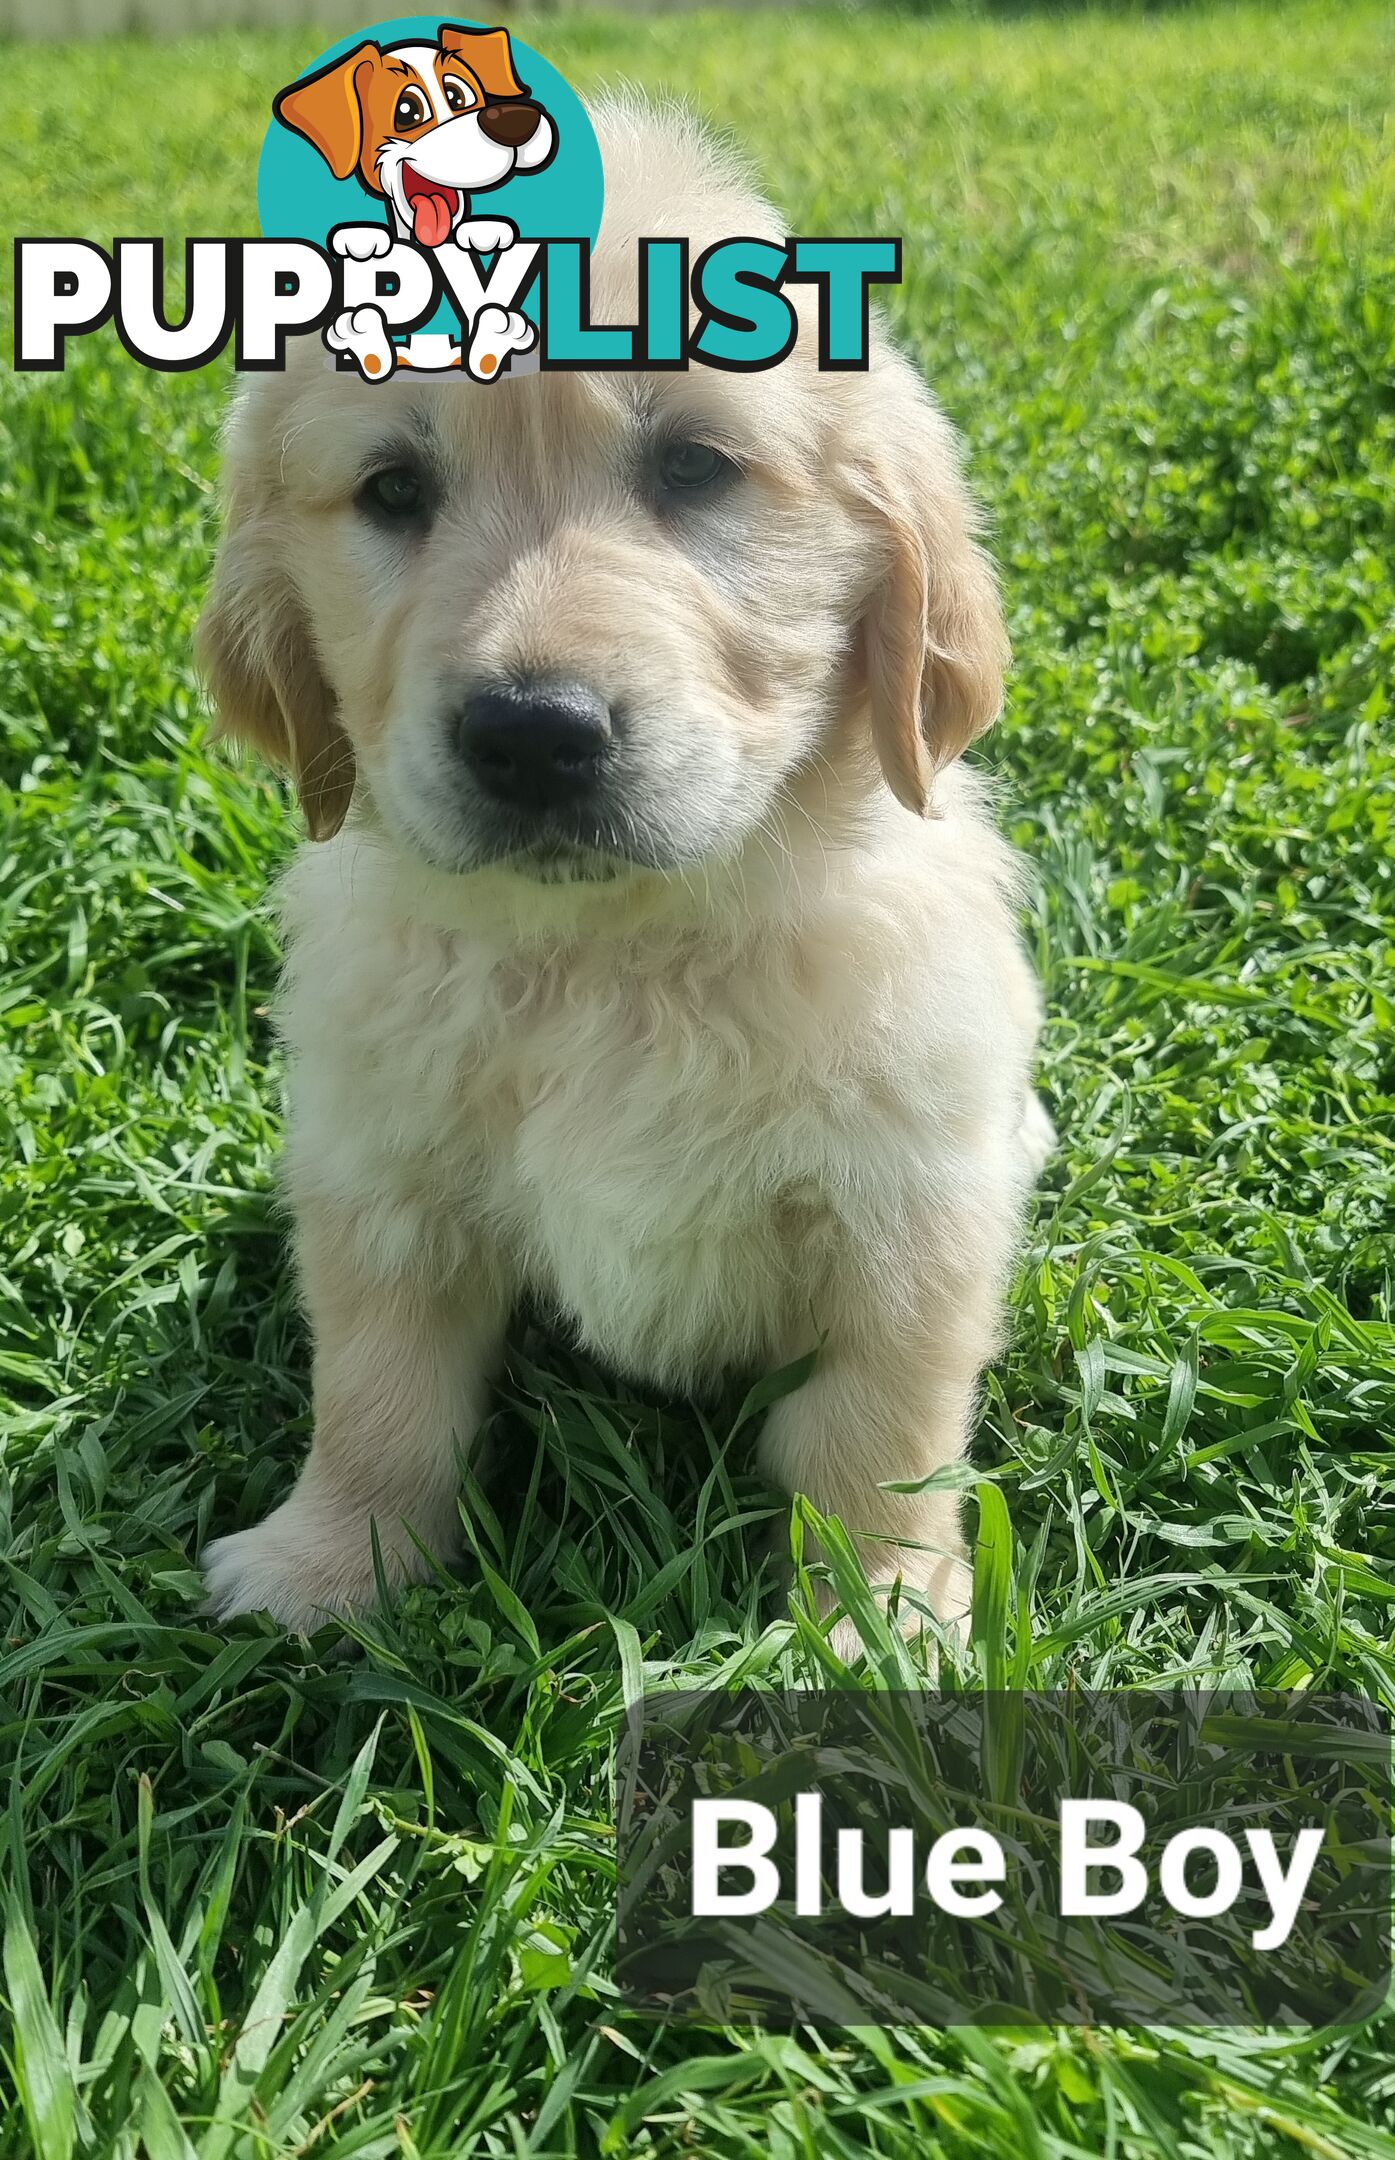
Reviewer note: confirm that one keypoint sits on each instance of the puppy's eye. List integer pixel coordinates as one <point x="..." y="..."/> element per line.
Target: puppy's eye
<point x="394" y="496"/>
<point x="457" y="96"/>
<point x="410" y="110"/>
<point x="689" y="465"/>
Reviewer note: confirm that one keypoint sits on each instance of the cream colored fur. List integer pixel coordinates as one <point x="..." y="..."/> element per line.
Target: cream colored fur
<point x="772" y="1091"/>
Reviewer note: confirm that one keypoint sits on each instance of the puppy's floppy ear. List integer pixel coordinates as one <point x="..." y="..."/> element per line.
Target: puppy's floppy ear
<point x="327" y="109"/>
<point x="488" y="55"/>
<point x="933" y="642"/>
<point x="254" y="647"/>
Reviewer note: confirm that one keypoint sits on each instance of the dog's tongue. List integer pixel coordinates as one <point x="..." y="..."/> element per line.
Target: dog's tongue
<point x="430" y="219"/>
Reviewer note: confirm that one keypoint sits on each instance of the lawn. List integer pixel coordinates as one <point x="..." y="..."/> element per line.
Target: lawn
<point x="268" y="1897"/>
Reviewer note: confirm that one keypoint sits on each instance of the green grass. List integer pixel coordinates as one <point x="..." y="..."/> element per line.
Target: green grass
<point x="268" y="1898"/>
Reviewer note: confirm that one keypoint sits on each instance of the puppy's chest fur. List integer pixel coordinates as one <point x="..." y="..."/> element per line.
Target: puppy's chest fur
<point x="667" y="1150"/>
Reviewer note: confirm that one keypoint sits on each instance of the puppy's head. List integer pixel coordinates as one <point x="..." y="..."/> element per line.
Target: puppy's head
<point x="425" y="126"/>
<point x="580" y="624"/>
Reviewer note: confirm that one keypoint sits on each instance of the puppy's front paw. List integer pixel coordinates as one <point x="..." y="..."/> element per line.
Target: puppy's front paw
<point x="485" y="235"/>
<point x="944" y="1582"/>
<point x="300" y="1565"/>
<point x="360" y="243"/>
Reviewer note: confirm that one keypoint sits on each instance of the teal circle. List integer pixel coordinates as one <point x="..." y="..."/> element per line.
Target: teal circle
<point x="298" y="197"/>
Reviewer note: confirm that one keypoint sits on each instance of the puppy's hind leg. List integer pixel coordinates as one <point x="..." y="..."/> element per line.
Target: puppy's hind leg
<point x="1037" y="1137"/>
<point x="362" y="333"/>
<point x="402" y="1372"/>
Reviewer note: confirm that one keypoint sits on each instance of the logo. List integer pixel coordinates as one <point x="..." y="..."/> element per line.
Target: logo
<point x="434" y="160"/>
<point x="429" y="194"/>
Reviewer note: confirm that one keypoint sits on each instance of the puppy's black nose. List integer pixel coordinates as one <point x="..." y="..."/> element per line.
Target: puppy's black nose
<point x="511" y="125"/>
<point x="536" y="745"/>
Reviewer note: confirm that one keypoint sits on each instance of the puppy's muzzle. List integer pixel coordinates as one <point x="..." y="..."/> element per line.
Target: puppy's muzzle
<point x="536" y="745"/>
<point x="510" y="125"/>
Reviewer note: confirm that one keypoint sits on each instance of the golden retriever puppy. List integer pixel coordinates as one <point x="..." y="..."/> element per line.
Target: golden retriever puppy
<point x="651" y="954"/>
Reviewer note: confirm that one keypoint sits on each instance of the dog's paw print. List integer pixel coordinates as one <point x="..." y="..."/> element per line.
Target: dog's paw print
<point x="486" y="235"/>
<point x="360" y="243"/>
<point x="362" y="332"/>
<point x="497" y="333"/>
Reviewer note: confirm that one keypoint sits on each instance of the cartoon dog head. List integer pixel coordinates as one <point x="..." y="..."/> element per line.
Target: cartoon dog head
<point x="423" y="126"/>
